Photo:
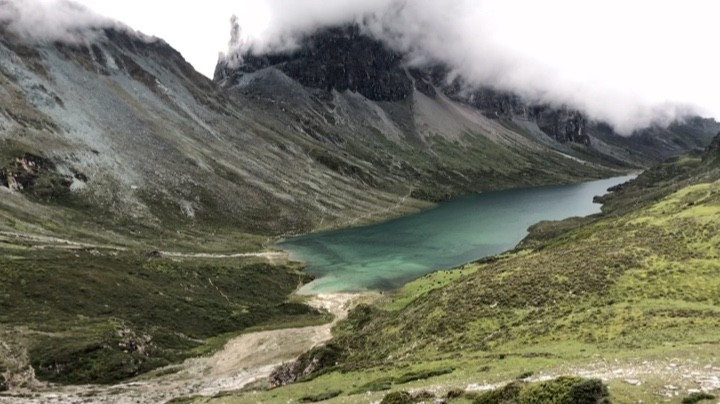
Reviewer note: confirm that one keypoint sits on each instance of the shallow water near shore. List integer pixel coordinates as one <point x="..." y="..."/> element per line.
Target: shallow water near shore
<point x="386" y="255"/>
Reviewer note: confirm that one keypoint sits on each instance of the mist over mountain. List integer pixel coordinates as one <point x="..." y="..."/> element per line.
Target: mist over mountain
<point x="49" y="21"/>
<point x="501" y="46"/>
<point x="588" y="57"/>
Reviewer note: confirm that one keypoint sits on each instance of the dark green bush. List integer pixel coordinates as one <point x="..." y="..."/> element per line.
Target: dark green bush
<point x="455" y="393"/>
<point x="320" y="397"/>
<point x="509" y="394"/>
<point x="697" y="397"/>
<point x="589" y="391"/>
<point x="397" y="397"/>
<point x="549" y="392"/>
<point x="524" y="375"/>
<point x="422" y="396"/>
<point x="563" y="390"/>
<point x="421" y="375"/>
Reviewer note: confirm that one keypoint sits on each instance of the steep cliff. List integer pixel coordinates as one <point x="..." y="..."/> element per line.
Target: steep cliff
<point x="346" y="59"/>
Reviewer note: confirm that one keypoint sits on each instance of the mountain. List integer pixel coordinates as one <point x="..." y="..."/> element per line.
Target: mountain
<point x="138" y="198"/>
<point x="336" y="132"/>
<point x="346" y="59"/>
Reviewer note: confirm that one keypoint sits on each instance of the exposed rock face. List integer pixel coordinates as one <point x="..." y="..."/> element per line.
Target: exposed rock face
<point x="562" y="124"/>
<point x="36" y="175"/>
<point x="130" y="342"/>
<point x="316" y="360"/>
<point x="339" y="58"/>
<point x="343" y="58"/>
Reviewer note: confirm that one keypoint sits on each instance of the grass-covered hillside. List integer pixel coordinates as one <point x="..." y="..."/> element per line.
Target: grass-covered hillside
<point x="97" y="315"/>
<point x="631" y="294"/>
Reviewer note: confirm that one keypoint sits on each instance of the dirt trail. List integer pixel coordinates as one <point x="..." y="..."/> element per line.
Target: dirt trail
<point x="47" y="242"/>
<point x="243" y="360"/>
<point x="40" y="241"/>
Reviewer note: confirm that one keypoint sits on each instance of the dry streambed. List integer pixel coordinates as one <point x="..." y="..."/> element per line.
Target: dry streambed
<point x="243" y="360"/>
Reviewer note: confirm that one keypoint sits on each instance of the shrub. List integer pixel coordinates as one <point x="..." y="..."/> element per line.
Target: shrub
<point x="589" y="391"/>
<point x="397" y="397"/>
<point x="320" y="397"/>
<point x="697" y="397"/>
<point x="563" y="390"/>
<point x="423" y="395"/>
<point x="549" y="392"/>
<point x="524" y="375"/>
<point x="508" y="394"/>
<point x="421" y="375"/>
<point x="454" y="393"/>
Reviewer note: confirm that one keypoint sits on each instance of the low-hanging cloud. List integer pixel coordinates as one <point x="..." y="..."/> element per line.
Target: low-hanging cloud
<point x="631" y="64"/>
<point x="64" y="21"/>
<point x="608" y="59"/>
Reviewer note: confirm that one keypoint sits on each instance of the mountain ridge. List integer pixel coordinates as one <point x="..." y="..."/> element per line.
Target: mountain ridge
<point x="341" y="141"/>
<point x="347" y="58"/>
<point x="116" y="150"/>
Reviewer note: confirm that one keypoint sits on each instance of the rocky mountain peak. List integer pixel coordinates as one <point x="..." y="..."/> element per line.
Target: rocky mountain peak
<point x="337" y="58"/>
<point x="345" y="58"/>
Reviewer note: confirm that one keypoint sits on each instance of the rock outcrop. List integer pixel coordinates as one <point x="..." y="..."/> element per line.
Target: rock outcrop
<point x="36" y="175"/>
<point x="340" y="58"/>
<point x="313" y="362"/>
<point x="344" y="58"/>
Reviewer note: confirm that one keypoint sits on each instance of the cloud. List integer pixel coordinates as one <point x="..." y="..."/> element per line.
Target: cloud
<point x="615" y="61"/>
<point x="628" y="63"/>
<point x="53" y="20"/>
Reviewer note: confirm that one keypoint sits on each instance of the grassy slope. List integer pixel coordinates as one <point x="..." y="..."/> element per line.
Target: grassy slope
<point x="96" y="315"/>
<point x="638" y="285"/>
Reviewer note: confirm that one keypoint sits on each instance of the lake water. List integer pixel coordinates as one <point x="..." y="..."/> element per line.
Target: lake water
<point x="386" y="255"/>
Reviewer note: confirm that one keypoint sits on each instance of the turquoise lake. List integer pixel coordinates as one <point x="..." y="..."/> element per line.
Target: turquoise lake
<point x="386" y="255"/>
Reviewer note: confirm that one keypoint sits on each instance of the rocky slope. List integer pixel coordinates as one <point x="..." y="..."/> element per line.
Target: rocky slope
<point x="335" y="133"/>
<point x="347" y="59"/>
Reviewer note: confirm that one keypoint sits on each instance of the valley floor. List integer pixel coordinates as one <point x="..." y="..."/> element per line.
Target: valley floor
<point x="243" y="360"/>
<point x="628" y="297"/>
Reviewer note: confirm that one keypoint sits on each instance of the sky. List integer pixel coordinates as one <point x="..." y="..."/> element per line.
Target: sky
<point x="629" y="62"/>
